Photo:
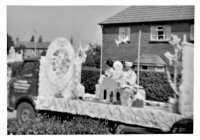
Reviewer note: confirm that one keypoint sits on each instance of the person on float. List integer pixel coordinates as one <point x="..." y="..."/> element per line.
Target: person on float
<point x="109" y="70"/>
<point x="118" y="72"/>
<point x="129" y="75"/>
<point x="129" y="85"/>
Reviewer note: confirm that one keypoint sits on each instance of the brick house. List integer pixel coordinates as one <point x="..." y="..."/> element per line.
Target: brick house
<point x="121" y="34"/>
<point x="29" y="48"/>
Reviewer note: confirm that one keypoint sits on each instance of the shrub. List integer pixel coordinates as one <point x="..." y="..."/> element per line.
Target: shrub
<point x="89" y="78"/>
<point x="155" y="84"/>
<point x="43" y="124"/>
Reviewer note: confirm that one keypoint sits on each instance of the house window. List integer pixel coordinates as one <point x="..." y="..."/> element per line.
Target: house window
<point x="160" y="33"/>
<point x="150" y="68"/>
<point x="124" y="33"/>
<point x="144" y="67"/>
<point x="192" y="33"/>
<point x="160" y="68"/>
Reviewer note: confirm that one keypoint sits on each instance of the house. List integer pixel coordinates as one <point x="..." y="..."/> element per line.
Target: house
<point x="30" y="47"/>
<point x="156" y="23"/>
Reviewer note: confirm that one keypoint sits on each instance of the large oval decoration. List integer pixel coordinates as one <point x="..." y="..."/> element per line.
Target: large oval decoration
<point x="59" y="65"/>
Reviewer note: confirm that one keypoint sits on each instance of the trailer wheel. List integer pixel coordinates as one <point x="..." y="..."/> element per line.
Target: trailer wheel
<point x="183" y="126"/>
<point x="25" y="112"/>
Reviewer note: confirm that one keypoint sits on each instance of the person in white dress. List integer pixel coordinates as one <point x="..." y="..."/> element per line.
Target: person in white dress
<point x="129" y="85"/>
<point x="118" y="72"/>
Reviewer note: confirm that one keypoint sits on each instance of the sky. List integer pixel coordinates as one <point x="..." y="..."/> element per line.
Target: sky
<point x="81" y="22"/>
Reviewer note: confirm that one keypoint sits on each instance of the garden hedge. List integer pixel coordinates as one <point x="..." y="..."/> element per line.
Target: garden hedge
<point x="155" y="84"/>
<point x="89" y="78"/>
<point x="47" y="125"/>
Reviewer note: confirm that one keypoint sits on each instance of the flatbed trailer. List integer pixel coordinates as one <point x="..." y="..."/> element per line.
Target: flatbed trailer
<point x="150" y="117"/>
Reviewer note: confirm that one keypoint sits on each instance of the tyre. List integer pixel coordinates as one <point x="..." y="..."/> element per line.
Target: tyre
<point x="184" y="126"/>
<point x="25" y="112"/>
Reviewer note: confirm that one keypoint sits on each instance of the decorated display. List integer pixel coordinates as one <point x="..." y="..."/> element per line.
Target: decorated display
<point x="183" y="62"/>
<point x="60" y="71"/>
<point x="114" y="99"/>
<point x="186" y="89"/>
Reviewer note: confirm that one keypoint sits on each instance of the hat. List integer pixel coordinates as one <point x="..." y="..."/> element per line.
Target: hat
<point x="117" y="65"/>
<point x="128" y="64"/>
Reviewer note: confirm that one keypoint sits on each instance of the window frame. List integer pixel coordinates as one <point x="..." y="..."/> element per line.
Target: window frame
<point x="166" y="36"/>
<point x="155" y="68"/>
<point x="192" y="32"/>
<point x="127" y="32"/>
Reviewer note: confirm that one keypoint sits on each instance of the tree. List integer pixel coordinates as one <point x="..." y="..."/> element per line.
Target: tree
<point x="32" y="38"/>
<point x="71" y="40"/>
<point x="40" y="39"/>
<point x="18" y="49"/>
<point x="97" y="56"/>
<point x="10" y="42"/>
<point x="93" y="56"/>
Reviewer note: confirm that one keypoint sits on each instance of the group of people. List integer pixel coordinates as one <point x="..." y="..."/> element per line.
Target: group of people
<point x="122" y="73"/>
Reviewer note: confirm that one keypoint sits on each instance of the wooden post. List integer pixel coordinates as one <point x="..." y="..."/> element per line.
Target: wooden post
<point x="138" y="63"/>
<point x="101" y="60"/>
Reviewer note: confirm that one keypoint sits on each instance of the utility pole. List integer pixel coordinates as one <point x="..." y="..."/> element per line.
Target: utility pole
<point x="138" y="63"/>
<point x="35" y="31"/>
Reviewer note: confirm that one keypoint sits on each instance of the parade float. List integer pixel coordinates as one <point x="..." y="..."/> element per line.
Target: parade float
<point x="57" y="87"/>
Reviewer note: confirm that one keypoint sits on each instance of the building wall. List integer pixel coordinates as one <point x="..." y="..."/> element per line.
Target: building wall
<point x="129" y="51"/>
<point x="30" y="53"/>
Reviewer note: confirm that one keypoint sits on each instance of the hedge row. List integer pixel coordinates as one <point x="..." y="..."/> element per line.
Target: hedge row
<point x="45" y="125"/>
<point x="89" y="78"/>
<point x="155" y="84"/>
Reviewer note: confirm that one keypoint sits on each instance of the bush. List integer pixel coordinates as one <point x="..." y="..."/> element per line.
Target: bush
<point x="156" y="86"/>
<point x="89" y="78"/>
<point x="44" y="124"/>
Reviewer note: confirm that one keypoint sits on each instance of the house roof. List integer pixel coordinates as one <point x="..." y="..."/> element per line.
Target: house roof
<point x="150" y="59"/>
<point x="31" y="45"/>
<point x="135" y="14"/>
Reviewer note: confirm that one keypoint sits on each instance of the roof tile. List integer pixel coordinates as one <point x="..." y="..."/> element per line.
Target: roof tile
<point x="151" y="13"/>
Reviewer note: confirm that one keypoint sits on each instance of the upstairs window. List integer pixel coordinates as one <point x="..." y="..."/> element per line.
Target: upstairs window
<point x="192" y="33"/>
<point x="124" y="34"/>
<point x="160" y="33"/>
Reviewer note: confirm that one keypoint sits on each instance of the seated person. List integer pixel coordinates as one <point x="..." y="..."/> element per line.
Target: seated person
<point x="109" y="70"/>
<point x="128" y="85"/>
<point x="115" y="72"/>
<point x="129" y="75"/>
<point x="118" y="72"/>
